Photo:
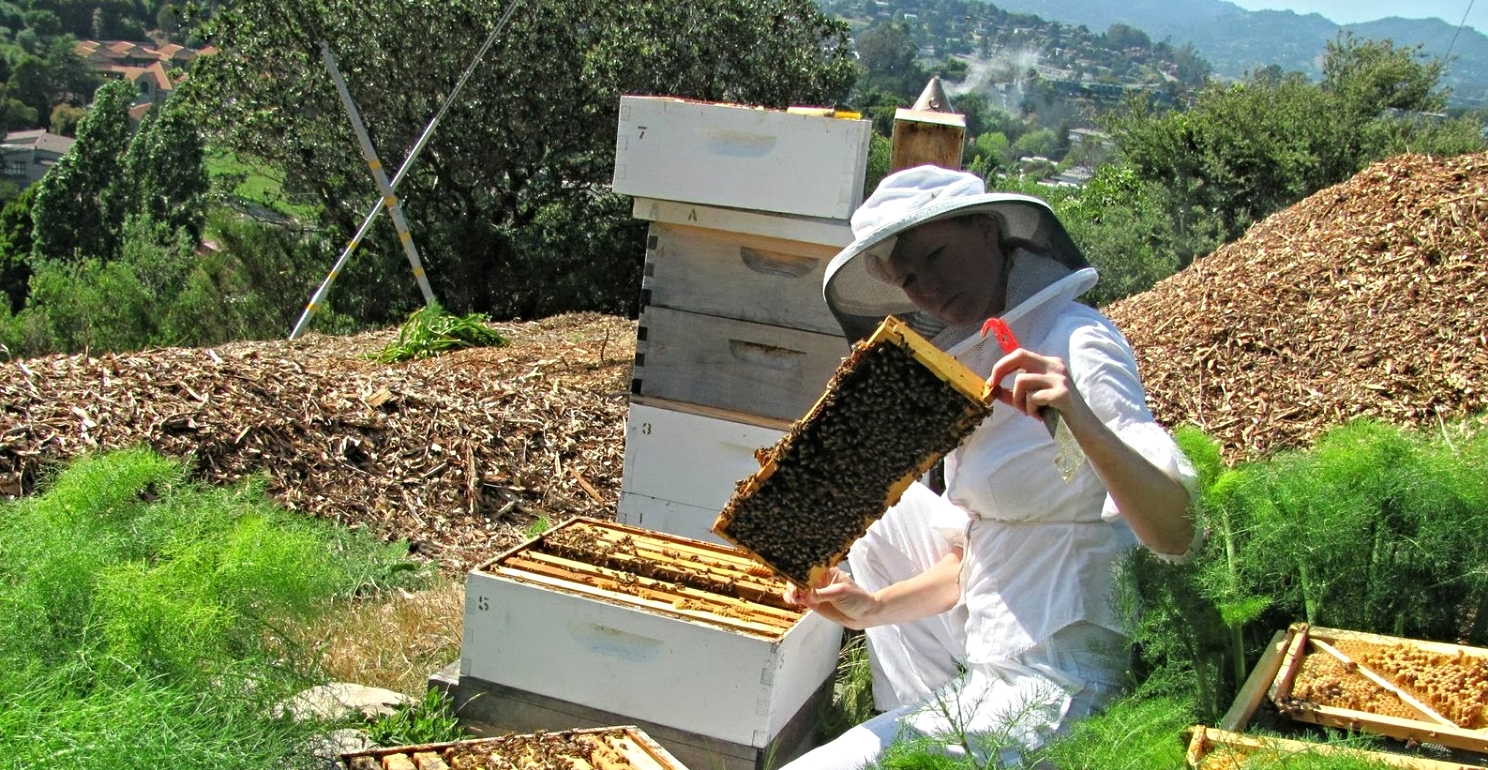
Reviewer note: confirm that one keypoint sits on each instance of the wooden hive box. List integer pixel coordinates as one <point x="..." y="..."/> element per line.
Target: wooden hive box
<point x="624" y="747"/>
<point x="734" y="319"/>
<point x="740" y="157"/>
<point x="1212" y="749"/>
<point x="602" y="622"/>
<point x="893" y="408"/>
<point x="734" y="343"/>
<point x="1411" y="690"/>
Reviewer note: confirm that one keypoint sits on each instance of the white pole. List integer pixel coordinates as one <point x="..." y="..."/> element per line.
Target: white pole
<point x="389" y="200"/>
<point x="318" y="298"/>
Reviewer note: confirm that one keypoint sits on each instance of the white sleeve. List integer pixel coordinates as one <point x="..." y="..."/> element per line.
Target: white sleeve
<point x="1104" y="371"/>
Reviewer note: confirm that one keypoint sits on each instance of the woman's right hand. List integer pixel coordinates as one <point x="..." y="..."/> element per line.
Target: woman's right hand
<point x="838" y="599"/>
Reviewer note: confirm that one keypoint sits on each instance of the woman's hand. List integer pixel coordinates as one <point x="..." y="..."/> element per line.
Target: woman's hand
<point x="838" y="599"/>
<point x="1041" y="381"/>
<point x="848" y="604"/>
<point x="1155" y="505"/>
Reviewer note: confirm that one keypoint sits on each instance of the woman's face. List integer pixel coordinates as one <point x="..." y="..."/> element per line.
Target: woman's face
<point x="951" y="269"/>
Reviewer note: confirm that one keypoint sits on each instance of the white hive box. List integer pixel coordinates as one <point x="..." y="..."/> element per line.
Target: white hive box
<point x="554" y="627"/>
<point x="740" y="157"/>
<point x="681" y="466"/>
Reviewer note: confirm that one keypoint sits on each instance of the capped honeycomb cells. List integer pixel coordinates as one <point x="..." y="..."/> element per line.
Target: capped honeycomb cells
<point x="885" y="418"/>
<point x="1454" y="684"/>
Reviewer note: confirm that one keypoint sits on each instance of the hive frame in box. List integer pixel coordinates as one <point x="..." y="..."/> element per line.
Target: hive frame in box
<point x="892" y="331"/>
<point x="1205" y="741"/>
<point x="637" y="748"/>
<point x="535" y="650"/>
<point x="1286" y="659"/>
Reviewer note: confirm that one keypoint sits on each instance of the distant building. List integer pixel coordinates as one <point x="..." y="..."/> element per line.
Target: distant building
<point x="1075" y="176"/>
<point x="30" y="154"/>
<point x="147" y="66"/>
<point x="1077" y="135"/>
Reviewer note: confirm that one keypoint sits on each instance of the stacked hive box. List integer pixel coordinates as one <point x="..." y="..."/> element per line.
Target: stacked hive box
<point x="747" y="207"/>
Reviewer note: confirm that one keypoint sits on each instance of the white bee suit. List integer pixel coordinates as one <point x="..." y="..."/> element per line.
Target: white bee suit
<point x="1035" y="631"/>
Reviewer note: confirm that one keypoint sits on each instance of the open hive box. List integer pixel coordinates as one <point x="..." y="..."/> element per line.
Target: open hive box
<point x="610" y="748"/>
<point x="1425" y="695"/>
<point x="894" y="407"/>
<point x="598" y="623"/>
<point x="1211" y="749"/>
<point x="1407" y="689"/>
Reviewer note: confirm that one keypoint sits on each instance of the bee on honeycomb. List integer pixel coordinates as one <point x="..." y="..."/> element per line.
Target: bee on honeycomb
<point x="884" y="419"/>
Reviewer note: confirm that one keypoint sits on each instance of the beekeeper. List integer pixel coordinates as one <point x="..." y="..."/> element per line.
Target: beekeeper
<point x="988" y="609"/>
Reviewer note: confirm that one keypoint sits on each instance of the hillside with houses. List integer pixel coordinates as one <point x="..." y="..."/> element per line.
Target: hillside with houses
<point x="154" y="69"/>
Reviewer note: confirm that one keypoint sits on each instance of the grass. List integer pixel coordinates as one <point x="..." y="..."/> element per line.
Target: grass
<point x="395" y="642"/>
<point x="144" y="618"/>
<point x="430" y="720"/>
<point x="254" y="185"/>
<point x="852" y="689"/>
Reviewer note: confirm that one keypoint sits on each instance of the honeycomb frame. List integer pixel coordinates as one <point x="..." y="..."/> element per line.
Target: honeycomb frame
<point x="894" y="407"/>
<point x="1336" y="690"/>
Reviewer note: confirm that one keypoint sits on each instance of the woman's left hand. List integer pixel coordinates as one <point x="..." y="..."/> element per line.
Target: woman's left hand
<point x="1155" y="505"/>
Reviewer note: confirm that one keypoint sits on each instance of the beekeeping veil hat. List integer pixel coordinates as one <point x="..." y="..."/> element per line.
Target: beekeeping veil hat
<point x="905" y="199"/>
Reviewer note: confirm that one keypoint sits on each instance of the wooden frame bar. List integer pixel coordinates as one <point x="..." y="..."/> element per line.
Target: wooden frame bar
<point x="651" y="571"/>
<point x="1205" y="744"/>
<point x="626" y="742"/>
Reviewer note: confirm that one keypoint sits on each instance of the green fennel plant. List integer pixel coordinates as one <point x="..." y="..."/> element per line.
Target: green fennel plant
<point x="140" y="617"/>
<point x="431" y="331"/>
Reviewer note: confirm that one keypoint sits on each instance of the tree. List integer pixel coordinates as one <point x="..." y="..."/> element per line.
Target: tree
<point x="15" y="115"/>
<point x="79" y="209"/>
<point x="30" y="85"/>
<point x="1121" y="36"/>
<point x="1374" y="75"/>
<point x="887" y="53"/>
<point x="15" y="247"/>
<point x="990" y="153"/>
<point x="1246" y="150"/>
<point x="1040" y="142"/>
<point x="167" y="20"/>
<point x="164" y="173"/>
<point x="531" y="137"/>
<point x="65" y="119"/>
<point x="1193" y="70"/>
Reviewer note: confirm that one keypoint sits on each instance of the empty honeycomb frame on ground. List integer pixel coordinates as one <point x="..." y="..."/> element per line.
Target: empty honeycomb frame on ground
<point x="1411" y="690"/>
<point x="894" y="407"/>
<point x="608" y="748"/>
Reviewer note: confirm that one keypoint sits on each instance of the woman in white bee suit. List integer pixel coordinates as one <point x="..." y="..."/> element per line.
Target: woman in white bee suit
<point x="988" y="609"/>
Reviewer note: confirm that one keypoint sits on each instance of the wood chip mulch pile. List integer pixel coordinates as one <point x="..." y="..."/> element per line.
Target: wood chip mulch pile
<point x="457" y="454"/>
<point x="1365" y="299"/>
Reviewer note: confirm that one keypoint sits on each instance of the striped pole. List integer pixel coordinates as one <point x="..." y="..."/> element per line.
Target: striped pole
<point x="318" y="299"/>
<point x="389" y="200"/>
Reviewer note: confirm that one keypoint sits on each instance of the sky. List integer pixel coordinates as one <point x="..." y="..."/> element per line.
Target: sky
<point x="1353" y="11"/>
